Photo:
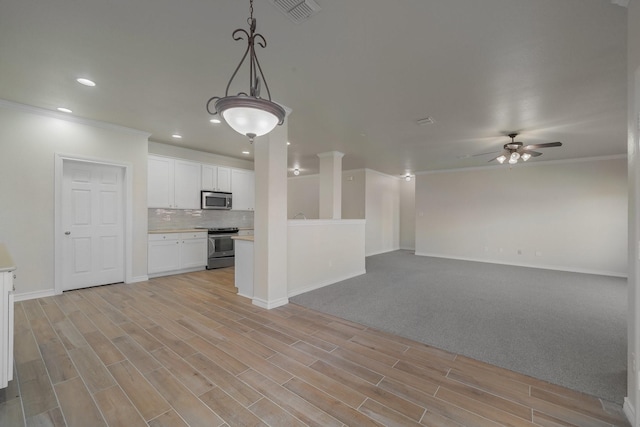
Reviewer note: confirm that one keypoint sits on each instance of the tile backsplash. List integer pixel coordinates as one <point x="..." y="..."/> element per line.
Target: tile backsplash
<point x="168" y="219"/>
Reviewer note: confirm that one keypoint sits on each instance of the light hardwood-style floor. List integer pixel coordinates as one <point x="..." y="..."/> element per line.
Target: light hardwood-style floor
<point x="186" y="351"/>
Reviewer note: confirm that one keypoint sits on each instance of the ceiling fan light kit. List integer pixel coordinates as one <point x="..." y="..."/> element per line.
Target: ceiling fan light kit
<point x="249" y="114"/>
<point x="515" y="151"/>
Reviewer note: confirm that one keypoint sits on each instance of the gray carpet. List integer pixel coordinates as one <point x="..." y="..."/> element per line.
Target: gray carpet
<point x="566" y="328"/>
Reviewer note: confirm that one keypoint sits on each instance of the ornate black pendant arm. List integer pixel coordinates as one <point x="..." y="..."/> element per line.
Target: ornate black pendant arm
<point x="232" y="107"/>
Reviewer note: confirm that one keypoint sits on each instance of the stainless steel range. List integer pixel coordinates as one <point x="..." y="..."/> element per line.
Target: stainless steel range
<point x="221" y="252"/>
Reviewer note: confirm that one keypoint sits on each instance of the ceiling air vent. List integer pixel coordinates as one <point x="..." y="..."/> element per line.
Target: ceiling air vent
<point x="297" y="10"/>
<point x="425" y="121"/>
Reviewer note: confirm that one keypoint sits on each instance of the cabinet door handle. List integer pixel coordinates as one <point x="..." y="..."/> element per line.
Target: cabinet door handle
<point x="66" y="233"/>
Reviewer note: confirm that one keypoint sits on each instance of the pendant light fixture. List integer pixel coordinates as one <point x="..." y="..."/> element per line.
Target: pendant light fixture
<point x="249" y="114"/>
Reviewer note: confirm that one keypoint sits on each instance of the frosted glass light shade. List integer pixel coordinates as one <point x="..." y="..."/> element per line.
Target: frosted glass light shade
<point x="250" y="116"/>
<point x="525" y="156"/>
<point x="501" y="159"/>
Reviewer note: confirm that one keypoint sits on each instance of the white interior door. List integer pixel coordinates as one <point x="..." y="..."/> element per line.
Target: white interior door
<point x="93" y="224"/>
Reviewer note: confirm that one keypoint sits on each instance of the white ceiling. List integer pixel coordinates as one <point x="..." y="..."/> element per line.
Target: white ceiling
<point x="357" y="75"/>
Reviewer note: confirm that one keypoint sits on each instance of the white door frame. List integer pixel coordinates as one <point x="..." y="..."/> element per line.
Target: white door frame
<point x="60" y="159"/>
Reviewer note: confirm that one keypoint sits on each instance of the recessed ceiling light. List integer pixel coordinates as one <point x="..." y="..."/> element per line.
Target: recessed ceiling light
<point x="86" y="82"/>
<point x="64" y="110"/>
<point x="176" y="136"/>
<point x="288" y="143"/>
<point x="246" y="152"/>
<point x="215" y="121"/>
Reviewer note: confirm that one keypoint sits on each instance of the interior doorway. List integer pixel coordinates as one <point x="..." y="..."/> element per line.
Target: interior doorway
<point x="90" y="211"/>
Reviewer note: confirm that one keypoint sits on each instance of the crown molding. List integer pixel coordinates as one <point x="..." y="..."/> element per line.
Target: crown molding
<point x="527" y="165"/>
<point x="10" y="105"/>
<point x="623" y="3"/>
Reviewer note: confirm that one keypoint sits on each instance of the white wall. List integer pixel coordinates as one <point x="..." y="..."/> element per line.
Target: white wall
<point x="567" y="216"/>
<point x="303" y="196"/>
<point x="382" y="212"/>
<point x="29" y="139"/>
<point x="353" y="194"/>
<point x="632" y="403"/>
<point x="322" y="252"/>
<point x="408" y="214"/>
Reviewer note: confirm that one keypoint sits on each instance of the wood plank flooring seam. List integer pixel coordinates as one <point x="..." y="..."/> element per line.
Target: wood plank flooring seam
<point x="31" y="333"/>
<point x="85" y="383"/>
<point x="15" y="375"/>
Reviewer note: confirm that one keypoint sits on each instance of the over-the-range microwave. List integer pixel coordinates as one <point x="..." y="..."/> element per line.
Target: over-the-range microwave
<point x="216" y="200"/>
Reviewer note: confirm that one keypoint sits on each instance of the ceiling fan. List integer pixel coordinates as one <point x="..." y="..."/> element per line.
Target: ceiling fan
<point x="515" y="150"/>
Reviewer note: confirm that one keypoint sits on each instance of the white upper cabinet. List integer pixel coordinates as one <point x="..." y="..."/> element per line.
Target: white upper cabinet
<point x="160" y="185"/>
<point x="216" y="178"/>
<point x="187" y="185"/>
<point x="173" y="183"/>
<point x="224" y="179"/>
<point x="243" y="189"/>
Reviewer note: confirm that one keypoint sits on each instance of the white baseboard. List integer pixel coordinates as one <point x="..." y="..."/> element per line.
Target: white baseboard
<point x="270" y="304"/>
<point x="325" y="283"/>
<point x="384" y="251"/>
<point x="25" y="296"/>
<point x="628" y="410"/>
<point x="34" y="295"/>
<point x="518" y="264"/>
<point x="138" y="279"/>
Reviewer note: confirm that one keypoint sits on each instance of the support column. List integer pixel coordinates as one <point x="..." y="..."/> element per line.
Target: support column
<point x="270" y="220"/>
<point x="331" y="185"/>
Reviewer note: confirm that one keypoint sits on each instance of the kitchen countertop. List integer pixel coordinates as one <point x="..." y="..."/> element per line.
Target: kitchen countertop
<point x="178" y="230"/>
<point x="6" y="262"/>
<point x="247" y="238"/>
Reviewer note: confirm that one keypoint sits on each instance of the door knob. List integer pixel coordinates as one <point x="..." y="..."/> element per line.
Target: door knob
<point x="67" y="233"/>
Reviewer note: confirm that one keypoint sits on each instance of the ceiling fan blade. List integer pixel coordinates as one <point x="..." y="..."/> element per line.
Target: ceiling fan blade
<point x="484" y="154"/>
<point x="533" y="153"/>
<point x="548" y="144"/>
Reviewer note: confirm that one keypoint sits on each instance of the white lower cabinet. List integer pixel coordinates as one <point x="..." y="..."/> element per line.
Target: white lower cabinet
<point x="193" y="252"/>
<point x="6" y="328"/>
<point x="172" y="253"/>
<point x="244" y="267"/>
